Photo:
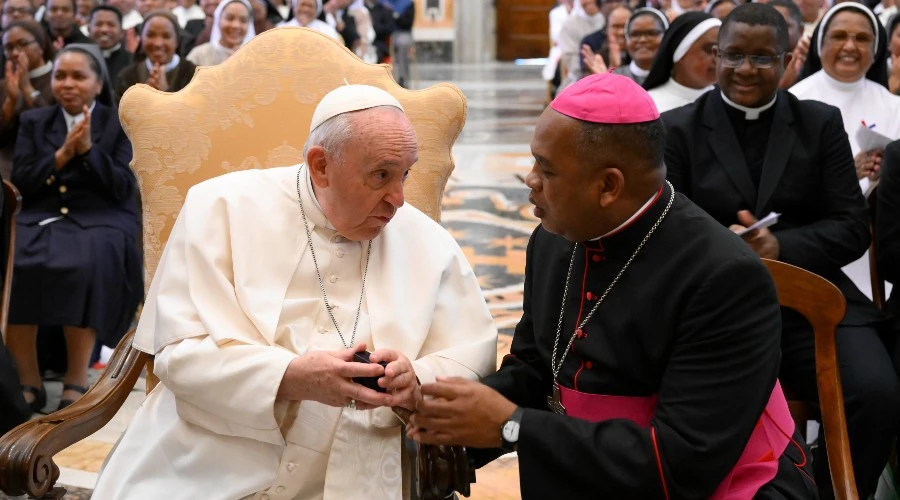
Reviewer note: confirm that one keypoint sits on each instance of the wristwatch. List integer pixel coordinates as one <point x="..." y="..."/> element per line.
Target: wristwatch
<point x="509" y="432"/>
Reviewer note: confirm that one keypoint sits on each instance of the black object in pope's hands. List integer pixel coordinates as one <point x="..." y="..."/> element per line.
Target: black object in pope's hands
<point x="370" y="382"/>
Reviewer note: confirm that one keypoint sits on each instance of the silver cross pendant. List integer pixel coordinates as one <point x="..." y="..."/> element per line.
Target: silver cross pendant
<point x="554" y="401"/>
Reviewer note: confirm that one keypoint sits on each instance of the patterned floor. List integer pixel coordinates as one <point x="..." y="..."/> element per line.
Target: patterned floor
<point x="485" y="208"/>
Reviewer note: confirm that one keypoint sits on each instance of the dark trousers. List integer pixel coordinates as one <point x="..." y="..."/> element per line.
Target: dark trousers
<point x="871" y="396"/>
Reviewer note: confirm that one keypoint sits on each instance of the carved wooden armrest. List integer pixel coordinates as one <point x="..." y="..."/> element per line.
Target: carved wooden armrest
<point x="26" y="452"/>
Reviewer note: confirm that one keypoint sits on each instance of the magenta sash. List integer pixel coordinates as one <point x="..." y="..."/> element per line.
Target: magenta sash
<point x="758" y="463"/>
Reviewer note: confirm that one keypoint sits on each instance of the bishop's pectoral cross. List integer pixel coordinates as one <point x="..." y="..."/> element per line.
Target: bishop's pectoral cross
<point x="554" y="401"/>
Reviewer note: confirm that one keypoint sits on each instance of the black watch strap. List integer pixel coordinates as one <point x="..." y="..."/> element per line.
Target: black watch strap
<point x="510" y="446"/>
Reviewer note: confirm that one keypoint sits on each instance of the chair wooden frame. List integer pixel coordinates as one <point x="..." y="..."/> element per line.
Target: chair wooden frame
<point x="878" y="290"/>
<point x="824" y="306"/>
<point x="13" y="201"/>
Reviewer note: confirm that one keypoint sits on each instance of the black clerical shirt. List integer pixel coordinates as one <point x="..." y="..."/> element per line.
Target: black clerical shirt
<point x="753" y="136"/>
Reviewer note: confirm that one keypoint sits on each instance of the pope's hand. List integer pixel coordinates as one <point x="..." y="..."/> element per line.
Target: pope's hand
<point x="460" y="412"/>
<point x="326" y="377"/>
<point x="399" y="378"/>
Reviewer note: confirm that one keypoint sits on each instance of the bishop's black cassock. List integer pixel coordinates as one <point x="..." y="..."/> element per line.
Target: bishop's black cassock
<point x="693" y="321"/>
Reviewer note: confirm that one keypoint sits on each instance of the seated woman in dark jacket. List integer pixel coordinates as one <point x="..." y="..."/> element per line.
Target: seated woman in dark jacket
<point x="77" y="262"/>
<point x="156" y="62"/>
<point x="29" y="58"/>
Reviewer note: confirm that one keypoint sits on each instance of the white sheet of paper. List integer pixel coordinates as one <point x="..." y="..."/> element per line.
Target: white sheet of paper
<point x="766" y="221"/>
<point x="868" y="139"/>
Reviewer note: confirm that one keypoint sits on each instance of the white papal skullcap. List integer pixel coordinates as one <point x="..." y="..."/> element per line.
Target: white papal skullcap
<point x="348" y="98"/>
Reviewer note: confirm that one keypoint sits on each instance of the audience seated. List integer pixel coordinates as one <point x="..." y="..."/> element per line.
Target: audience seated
<point x="798" y="44"/>
<point x="131" y="18"/>
<point x="77" y="262"/>
<point x="155" y="62"/>
<point x="847" y="68"/>
<point x="197" y="31"/>
<point x="610" y="41"/>
<point x="747" y="149"/>
<point x="188" y="10"/>
<point x="29" y="59"/>
<point x="232" y="28"/>
<point x="585" y="19"/>
<point x="60" y="20"/>
<point x="684" y="68"/>
<point x="306" y="13"/>
<point x="643" y="35"/>
<point x="106" y="31"/>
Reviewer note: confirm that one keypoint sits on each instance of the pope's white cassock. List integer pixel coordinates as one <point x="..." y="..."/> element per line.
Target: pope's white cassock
<point x="236" y="298"/>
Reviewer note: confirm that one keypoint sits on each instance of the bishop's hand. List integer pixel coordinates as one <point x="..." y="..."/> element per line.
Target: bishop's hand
<point x="326" y="377"/>
<point x="460" y="412"/>
<point x="399" y="378"/>
<point x="762" y="241"/>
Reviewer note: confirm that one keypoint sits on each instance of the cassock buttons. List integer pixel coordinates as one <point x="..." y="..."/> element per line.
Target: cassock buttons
<point x="323" y="330"/>
<point x="290" y="467"/>
<point x="333" y="279"/>
<point x="339" y="253"/>
<point x="579" y="333"/>
<point x="596" y="258"/>
<point x="588" y="365"/>
<point x="589" y="296"/>
<point x="64" y="210"/>
<point x="279" y="490"/>
<point x="63" y="189"/>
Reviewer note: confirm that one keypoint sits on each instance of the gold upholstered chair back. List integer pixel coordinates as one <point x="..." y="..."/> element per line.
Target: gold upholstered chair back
<point x="254" y="110"/>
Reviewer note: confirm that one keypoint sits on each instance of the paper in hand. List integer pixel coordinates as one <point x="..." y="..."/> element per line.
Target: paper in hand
<point x="869" y="140"/>
<point x="769" y="220"/>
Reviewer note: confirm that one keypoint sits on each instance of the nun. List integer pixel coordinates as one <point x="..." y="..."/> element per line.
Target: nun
<point x="232" y="28"/>
<point x="306" y="15"/>
<point x="685" y="66"/>
<point x="643" y="35"/>
<point x="77" y="261"/>
<point x="847" y="68"/>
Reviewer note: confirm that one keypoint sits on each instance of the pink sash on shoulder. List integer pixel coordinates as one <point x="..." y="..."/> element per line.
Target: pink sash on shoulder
<point x="758" y="463"/>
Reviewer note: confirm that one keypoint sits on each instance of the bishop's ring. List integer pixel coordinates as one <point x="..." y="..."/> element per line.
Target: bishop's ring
<point x="352" y="404"/>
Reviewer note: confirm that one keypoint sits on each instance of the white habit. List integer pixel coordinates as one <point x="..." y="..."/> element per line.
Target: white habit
<point x="236" y="298"/>
<point x="672" y="94"/>
<point x="860" y="101"/>
<point x="577" y="26"/>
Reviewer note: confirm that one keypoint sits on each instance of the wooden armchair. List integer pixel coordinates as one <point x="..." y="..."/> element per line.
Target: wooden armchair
<point x="823" y="305"/>
<point x="253" y="111"/>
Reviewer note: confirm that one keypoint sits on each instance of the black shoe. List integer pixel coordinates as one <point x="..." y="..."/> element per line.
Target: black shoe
<point x="69" y="387"/>
<point x="40" y="397"/>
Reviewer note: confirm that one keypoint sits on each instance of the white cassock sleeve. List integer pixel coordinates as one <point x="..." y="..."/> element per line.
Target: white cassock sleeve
<point x="220" y="383"/>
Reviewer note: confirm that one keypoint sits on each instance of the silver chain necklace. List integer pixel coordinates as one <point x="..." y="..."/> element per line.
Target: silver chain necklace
<point x="312" y="250"/>
<point x="554" y="401"/>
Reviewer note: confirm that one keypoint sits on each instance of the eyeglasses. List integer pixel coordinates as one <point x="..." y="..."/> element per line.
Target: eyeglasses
<point x="636" y="35"/>
<point x="730" y="60"/>
<point x="21" y="45"/>
<point x="841" y="37"/>
<point x="17" y="10"/>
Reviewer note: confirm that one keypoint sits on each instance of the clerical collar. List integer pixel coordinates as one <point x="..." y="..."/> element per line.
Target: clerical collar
<point x="314" y="211"/>
<point x="637" y="71"/>
<point x="840" y="86"/>
<point x="749" y="113"/>
<point x="72" y="120"/>
<point x="641" y="211"/>
<point x="107" y="53"/>
<point x="41" y="70"/>
<point x="169" y="67"/>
